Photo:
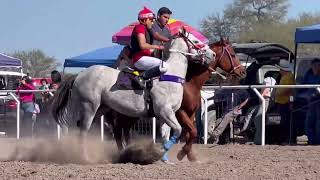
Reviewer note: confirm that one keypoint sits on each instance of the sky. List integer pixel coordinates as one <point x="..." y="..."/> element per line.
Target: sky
<point x="68" y="28"/>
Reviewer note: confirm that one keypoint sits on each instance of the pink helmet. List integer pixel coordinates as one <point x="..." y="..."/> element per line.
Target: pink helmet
<point x="145" y="13"/>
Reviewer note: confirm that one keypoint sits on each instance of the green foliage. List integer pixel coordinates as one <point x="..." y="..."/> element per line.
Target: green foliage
<point x="242" y="15"/>
<point x="36" y="62"/>
<point x="283" y="33"/>
<point x="259" y="21"/>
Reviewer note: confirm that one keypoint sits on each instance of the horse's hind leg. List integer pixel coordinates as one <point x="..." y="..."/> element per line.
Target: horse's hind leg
<point x="88" y="111"/>
<point x="127" y="129"/>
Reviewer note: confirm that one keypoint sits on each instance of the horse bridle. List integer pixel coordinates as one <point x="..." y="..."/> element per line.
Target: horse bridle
<point x="231" y="59"/>
<point x="200" y="52"/>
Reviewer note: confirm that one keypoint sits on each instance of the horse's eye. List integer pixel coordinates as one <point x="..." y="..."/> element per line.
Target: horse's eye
<point x="195" y="41"/>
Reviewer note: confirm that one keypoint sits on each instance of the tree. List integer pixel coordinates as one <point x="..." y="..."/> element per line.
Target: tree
<point x="216" y="26"/>
<point x="36" y="63"/>
<point x="283" y="33"/>
<point x="242" y="16"/>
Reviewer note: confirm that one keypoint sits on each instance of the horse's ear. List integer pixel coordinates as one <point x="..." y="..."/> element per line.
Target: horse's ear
<point x="222" y="41"/>
<point x="182" y="30"/>
<point x="228" y="40"/>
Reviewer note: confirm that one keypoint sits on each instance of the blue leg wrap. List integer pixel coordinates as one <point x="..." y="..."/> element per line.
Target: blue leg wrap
<point x="165" y="156"/>
<point x="168" y="145"/>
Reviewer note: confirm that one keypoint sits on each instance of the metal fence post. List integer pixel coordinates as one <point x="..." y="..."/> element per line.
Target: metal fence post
<point x="58" y="131"/>
<point x="205" y="129"/>
<point x="263" y="119"/>
<point x="102" y="128"/>
<point x="18" y="113"/>
<point x="154" y="129"/>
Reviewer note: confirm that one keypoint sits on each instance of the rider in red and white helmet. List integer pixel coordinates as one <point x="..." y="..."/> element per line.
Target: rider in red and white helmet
<point x="141" y="44"/>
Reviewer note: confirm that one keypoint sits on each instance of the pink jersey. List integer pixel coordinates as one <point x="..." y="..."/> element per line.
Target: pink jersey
<point x="26" y="96"/>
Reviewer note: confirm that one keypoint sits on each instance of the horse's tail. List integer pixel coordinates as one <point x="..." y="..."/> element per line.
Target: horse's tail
<point x="61" y="99"/>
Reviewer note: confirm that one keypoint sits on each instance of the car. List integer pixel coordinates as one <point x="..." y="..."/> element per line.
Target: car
<point x="262" y="58"/>
<point x="8" y="107"/>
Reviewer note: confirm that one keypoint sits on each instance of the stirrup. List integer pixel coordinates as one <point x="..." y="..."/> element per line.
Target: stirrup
<point x="128" y="69"/>
<point x="140" y="81"/>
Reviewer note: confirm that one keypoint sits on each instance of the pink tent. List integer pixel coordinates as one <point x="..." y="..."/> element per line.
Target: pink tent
<point x="124" y="35"/>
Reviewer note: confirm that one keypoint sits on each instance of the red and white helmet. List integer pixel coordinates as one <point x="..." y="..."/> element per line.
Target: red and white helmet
<point x="145" y="13"/>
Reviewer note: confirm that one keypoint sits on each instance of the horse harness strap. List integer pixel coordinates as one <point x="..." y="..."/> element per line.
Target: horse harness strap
<point x="225" y="50"/>
<point x="172" y="78"/>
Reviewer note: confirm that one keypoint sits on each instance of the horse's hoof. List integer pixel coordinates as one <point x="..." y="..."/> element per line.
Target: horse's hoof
<point x="181" y="154"/>
<point x="167" y="162"/>
<point x="191" y="157"/>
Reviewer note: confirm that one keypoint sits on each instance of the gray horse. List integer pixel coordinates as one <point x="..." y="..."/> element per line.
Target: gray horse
<point x="79" y="99"/>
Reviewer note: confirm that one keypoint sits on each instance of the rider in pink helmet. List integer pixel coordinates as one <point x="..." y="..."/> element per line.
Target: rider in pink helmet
<point x="142" y="48"/>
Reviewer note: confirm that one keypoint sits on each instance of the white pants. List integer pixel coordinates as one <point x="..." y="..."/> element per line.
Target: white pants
<point x="147" y="62"/>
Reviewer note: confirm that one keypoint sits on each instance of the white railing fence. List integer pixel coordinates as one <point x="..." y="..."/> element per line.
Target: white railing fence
<point x="263" y="103"/>
<point x="152" y="125"/>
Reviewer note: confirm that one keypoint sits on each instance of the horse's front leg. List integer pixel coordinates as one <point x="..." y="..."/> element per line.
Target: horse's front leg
<point x="191" y="134"/>
<point x="182" y="118"/>
<point x="167" y="114"/>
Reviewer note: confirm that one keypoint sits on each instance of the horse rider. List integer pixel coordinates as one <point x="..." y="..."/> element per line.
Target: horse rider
<point x="160" y="31"/>
<point x="162" y="35"/>
<point x="142" y="47"/>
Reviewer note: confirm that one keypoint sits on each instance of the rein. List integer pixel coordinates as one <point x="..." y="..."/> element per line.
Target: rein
<point x="226" y="50"/>
<point x="189" y="54"/>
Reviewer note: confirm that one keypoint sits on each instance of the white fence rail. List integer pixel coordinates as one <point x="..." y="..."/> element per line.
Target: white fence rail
<point x="254" y="87"/>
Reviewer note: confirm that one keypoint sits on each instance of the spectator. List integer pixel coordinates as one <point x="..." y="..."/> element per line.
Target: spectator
<point x="3" y="83"/>
<point x="257" y="110"/>
<point x="56" y="80"/>
<point x="44" y="86"/>
<point x="232" y="109"/>
<point x="312" y="123"/>
<point x="27" y="104"/>
<point x="283" y="103"/>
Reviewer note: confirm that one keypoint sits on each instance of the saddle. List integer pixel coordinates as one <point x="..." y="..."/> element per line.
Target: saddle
<point x="131" y="79"/>
<point x="127" y="79"/>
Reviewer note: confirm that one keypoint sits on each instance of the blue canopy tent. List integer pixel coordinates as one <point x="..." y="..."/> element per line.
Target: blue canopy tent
<point x="10" y="64"/>
<point x="306" y="34"/>
<point x="103" y="56"/>
<point x="8" y="61"/>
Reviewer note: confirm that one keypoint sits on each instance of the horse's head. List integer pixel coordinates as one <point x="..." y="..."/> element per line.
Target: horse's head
<point x="226" y="59"/>
<point x="190" y="46"/>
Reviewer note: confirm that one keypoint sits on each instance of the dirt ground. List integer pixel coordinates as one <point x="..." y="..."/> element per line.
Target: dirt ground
<point x="44" y="159"/>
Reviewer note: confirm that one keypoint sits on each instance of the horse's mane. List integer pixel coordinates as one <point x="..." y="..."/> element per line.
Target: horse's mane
<point x="219" y="43"/>
<point x="194" y="69"/>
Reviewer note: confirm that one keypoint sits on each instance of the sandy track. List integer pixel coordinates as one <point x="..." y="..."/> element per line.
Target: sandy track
<point x="218" y="162"/>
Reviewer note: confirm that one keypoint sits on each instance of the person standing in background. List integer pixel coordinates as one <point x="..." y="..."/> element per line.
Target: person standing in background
<point x="283" y="103"/>
<point x="27" y="105"/>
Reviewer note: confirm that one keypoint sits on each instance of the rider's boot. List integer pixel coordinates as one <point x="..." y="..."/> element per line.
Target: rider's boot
<point x="146" y="75"/>
<point x="153" y="72"/>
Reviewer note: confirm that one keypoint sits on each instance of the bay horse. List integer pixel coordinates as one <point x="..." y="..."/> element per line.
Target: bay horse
<point x="225" y="60"/>
<point x="196" y="77"/>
